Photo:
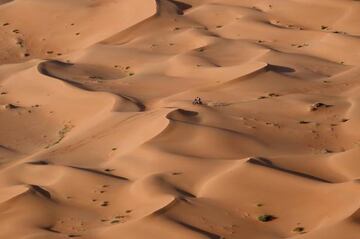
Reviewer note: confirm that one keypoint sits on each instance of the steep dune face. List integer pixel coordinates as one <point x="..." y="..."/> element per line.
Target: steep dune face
<point x="99" y="136"/>
<point x="50" y="29"/>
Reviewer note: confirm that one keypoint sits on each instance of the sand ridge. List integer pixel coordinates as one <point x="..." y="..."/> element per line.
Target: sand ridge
<point x="99" y="136"/>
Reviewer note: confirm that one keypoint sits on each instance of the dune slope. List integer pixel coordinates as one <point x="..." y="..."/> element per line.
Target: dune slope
<point x="99" y="136"/>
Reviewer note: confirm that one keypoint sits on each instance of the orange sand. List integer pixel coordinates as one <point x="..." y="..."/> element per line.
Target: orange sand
<point x="99" y="138"/>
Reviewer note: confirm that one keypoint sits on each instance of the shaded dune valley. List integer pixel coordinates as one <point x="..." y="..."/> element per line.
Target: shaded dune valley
<point x="196" y="119"/>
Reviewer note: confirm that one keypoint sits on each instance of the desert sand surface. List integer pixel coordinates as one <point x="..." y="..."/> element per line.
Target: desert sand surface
<point x="100" y="139"/>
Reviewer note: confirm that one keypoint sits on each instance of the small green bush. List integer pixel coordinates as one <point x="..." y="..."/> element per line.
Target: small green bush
<point x="266" y="218"/>
<point x="299" y="229"/>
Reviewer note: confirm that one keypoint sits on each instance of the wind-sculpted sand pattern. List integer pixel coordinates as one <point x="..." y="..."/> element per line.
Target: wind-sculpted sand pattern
<point x="99" y="136"/>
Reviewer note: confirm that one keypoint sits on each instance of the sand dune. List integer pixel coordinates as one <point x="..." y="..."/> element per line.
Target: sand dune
<point x="99" y="136"/>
